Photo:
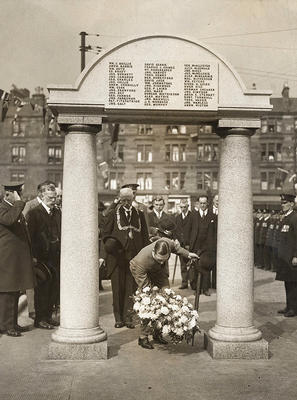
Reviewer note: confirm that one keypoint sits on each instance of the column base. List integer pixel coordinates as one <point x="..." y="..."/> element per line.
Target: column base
<point x="235" y="334"/>
<point x="79" y="336"/>
<point x="67" y="351"/>
<point x="220" y="350"/>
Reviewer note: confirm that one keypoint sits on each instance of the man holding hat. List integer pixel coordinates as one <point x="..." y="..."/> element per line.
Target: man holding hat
<point x="124" y="235"/>
<point x="16" y="265"/>
<point x="287" y="253"/>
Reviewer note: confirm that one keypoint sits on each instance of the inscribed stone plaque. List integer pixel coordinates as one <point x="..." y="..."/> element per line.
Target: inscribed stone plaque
<point x="162" y="85"/>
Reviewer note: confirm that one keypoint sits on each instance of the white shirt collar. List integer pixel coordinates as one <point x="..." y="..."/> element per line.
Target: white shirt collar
<point x="185" y="214"/>
<point x="158" y="214"/>
<point x="48" y="209"/>
<point x="39" y="199"/>
<point x="8" y="202"/>
<point x="202" y="213"/>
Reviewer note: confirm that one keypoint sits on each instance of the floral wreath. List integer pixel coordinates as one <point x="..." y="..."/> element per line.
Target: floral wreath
<point x="131" y="227"/>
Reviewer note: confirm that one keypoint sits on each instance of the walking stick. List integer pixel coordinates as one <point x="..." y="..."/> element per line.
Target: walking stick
<point x="197" y="294"/>
<point x="174" y="270"/>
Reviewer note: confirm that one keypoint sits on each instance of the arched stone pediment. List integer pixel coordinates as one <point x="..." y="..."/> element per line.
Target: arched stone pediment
<point x="161" y="74"/>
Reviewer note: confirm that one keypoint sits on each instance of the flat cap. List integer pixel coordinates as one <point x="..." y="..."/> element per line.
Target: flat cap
<point x="133" y="186"/>
<point x="13" y="186"/>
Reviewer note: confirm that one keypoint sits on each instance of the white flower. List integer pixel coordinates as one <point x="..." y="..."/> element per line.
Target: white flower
<point x="185" y="328"/>
<point x="165" y="329"/>
<point x="192" y="323"/>
<point x="179" y="332"/>
<point x="185" y="300"/>
<point x="178" y="297"/>
<point x="185" y="309"/>
<point x="159" y="325"/>
<point x="160" y="298"/>
<point x="175" y="307"/>
<point x="184" y="319"/>
<point x="164" y="310"/>
<point x="146" y="289"/>
<point x="136" y="306"/>
<point x="168" y="291"/>
<point x="195" y="313"/>
<point x="146" y="300"/>
<point x="155" y="288"/>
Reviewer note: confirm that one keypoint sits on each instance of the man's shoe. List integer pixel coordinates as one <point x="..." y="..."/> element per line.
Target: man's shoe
<point x="13" y="333"/>
<point x="159" y="339"/>
<point x="20" y="328"/>
<point x="119" y="325"/>
<point x="43" y="325"/>
<point x="144" y="342"/>
<point x="289" y="313"/>
<point x="183" y="287"/>
<point x="53" y="322"/>
<point x="130" y="325"/>
<point x="206" y="293"/>
<point x="283" y="311"/>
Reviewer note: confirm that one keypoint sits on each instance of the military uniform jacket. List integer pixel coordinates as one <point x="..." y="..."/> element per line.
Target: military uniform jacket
<point x="117" y="225"/>
<point x="144" y="267"/>
<point x="16" y="268"/>
<point x="287" y="248"/>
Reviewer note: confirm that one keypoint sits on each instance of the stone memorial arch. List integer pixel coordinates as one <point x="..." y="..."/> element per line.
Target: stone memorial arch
<point x="171" y="80"/>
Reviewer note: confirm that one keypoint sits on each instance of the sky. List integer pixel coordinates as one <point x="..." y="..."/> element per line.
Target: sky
<point x="40" y="38"/>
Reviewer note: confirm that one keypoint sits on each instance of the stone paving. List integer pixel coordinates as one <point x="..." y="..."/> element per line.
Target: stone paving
<point x="167" y="372"/>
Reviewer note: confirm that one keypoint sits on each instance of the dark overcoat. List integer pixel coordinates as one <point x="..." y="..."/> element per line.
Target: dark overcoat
<point x="183" y="228"/>
<point x="203" y="239"/>
<point x="116" y="225"/>
<point x="154" y="221"/>
<point x="287" y="249"/>
<point x="16" y="266"/>
<point x="45" y="233"/>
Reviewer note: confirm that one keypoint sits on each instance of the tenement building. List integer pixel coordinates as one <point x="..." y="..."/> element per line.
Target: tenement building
<point x="174" y="161"/>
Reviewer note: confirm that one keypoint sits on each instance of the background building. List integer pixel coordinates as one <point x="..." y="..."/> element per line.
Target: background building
<point x="174" y="161"/>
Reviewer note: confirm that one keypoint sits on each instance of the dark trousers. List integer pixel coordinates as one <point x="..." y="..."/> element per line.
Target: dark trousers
<point x="8" y="310"/>
<point x="291" y="295"/>
<point x="123" y="287"/>
<point x="184" y="270"/>
<point x="46" y="297"/>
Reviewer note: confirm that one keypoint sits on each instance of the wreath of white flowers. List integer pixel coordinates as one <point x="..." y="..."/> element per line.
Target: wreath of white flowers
<point x="131" y="227"/>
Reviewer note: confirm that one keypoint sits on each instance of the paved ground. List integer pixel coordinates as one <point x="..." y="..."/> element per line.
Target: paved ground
<point x="168" y="372"/>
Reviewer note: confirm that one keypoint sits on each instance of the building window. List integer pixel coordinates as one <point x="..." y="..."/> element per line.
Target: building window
<point x="271" y="126"/>
<point x="264" y="126"/>
<point x="175" y="180"/>
<point x="144" y="153"/>
<point x="279" y="126"/>
<point x="18" y="154"/>
<point x="55" y="176"/>
<point x="271" y="152"/>
<point x="145" y="130"/>
<point x="55" y="154"/>
<point x="17" y="176"/>
<point x="271" y="180"/>
<point x="17" y="128"/>
<point x="207" y="180"/>
<point x="175" y="152"/>
<point x="115" y="181"/>
<point x="172" y="130"/>
<point x="53" y="127"/>
<point x="144" y="180"/>
<point x="207" y="152"/>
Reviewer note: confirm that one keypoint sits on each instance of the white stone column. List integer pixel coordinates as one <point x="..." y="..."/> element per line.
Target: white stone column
<point x="79" y="335"/>
<point x="234" y="335"/>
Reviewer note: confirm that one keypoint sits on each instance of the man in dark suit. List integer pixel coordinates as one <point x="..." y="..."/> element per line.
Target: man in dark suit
<point x="44" y="224"/>
<point x="16" y="264"/>
<point x="287" y="253"/>
<point x="203" y="242"/>
<point x="127" y="226"/>
<point x="182" y="231"/>
<point x="156" y="215"/>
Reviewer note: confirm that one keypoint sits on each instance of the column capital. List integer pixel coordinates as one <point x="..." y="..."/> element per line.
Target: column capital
<point x="81" y="128"/>
<point x="224" y="132"/>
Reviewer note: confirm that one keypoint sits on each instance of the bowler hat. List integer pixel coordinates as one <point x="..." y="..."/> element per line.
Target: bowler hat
<point x="13" y="186"/>
<point x="42" y="273"/>
<point x="112" y="245"/>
